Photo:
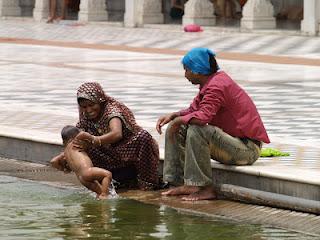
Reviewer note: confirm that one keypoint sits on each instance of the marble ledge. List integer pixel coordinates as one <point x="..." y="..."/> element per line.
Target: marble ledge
<point x="276" y="171"/>
<point x="260" y="168"/>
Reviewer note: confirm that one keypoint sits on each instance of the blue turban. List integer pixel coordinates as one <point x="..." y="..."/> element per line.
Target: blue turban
<point x="197" y="60"/>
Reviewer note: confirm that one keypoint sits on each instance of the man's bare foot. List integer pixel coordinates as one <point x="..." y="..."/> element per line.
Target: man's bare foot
<point x="182" y="190"/>
<point x="204" y="193"/>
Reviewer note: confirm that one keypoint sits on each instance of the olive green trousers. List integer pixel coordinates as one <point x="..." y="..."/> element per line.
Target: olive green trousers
<point x="188" y="154"/>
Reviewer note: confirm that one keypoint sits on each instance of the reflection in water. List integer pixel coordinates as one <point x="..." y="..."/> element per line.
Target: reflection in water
<point x="115" y="219"/>
<point x="30" y="210"/>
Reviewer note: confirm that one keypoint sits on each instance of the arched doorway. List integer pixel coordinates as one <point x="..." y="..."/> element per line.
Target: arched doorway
<point x="116" y="9"/>
<point x="73" y="7"/>
<point x="26" y="7"/>
<point x="288" y="13"/>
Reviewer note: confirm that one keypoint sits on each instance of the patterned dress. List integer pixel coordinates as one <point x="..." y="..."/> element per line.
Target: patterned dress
<point x="136" y="151"/>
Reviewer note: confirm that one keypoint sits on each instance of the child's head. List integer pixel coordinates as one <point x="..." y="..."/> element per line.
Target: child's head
<point x="69" y="132"/>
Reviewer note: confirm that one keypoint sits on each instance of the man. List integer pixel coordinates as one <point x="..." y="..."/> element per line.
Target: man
<point x="221" y="123"/>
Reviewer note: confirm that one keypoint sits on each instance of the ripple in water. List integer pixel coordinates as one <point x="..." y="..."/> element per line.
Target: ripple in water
<point x="31" y="210"/>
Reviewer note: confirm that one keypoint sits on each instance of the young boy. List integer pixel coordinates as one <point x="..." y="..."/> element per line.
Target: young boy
<point x="96" y="179"/>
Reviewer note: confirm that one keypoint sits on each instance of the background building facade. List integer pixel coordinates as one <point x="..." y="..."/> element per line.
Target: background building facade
<point x="303" y="15"/>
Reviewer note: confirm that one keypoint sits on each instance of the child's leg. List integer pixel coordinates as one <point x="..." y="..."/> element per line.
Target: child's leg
<point x="105" y="183"/>
<point x="94" y="186"/>
<point x="102" y="176"/>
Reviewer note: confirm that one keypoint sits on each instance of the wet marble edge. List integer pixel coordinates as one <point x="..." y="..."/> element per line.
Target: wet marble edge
<point x="269" y="170"/>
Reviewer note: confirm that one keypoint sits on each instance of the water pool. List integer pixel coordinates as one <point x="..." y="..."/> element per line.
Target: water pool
<point x="32" y="210"/>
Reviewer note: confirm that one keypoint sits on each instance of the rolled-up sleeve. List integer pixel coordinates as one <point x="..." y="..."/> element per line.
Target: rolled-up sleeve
<point x="191" y="108"/>
<point x="184" y="112"/>
<point x="210" y="101"/>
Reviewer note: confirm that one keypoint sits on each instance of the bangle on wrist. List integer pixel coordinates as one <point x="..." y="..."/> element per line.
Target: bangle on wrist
<point x="99" y="141"/>
<point x="95" y="140"/>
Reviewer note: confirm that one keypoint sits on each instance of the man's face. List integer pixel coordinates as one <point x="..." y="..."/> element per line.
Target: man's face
<point x="192" y="77"/>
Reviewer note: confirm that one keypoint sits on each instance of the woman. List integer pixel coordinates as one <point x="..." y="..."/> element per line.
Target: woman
<point x="112" y="138"/>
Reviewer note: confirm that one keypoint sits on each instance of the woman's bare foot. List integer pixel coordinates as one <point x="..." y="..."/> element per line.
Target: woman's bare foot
<point x="204" y="193"/>
<point x="182" y="190"/>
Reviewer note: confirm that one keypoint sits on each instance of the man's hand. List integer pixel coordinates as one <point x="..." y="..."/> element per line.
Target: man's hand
<point x="163" y="120"/>
<point x="175" y="126"/>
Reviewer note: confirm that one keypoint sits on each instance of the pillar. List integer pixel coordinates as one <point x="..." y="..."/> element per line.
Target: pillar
<point x="199" y="12"/>
<point x="258" y="14"/>
<point x="10" y="8"/>
<point x="93" y="10"/>
<point x="131" y="17"/>
<point x="139" y="12"/>
<point x="311" y="17"/>
<point x="41" y="10"/>
<point x="151" y="11"/>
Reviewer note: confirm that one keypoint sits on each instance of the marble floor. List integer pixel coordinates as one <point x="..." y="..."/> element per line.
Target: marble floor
<point x="39" y="79"/>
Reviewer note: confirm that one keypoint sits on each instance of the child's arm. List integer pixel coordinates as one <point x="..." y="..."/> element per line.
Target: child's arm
<point x="59" y="162"/>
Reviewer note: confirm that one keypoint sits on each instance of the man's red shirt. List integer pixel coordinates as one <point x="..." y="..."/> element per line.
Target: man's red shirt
<point x="221" y="102"/>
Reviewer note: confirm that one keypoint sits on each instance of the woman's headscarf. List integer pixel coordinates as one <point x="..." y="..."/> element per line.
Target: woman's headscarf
<point x="93" y="92"/>
<point x="198" y="60"/>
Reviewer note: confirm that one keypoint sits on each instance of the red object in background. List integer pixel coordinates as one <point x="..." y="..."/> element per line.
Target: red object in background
<point x="192" y="28"/>
<point x="243" y="2"/>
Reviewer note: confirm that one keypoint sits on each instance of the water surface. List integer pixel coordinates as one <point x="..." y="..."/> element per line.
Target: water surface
<point x="32" y="210"/>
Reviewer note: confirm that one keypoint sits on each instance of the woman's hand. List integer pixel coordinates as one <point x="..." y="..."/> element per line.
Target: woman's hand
<point x="83" y="141"/>
<point x="163" y="120"/>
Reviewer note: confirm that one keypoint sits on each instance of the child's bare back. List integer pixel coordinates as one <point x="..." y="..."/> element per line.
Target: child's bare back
<point x="96" y="179"/>
<point x="77" y="160"/>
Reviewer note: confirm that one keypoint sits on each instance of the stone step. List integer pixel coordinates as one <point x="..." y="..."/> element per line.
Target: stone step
<point x="277" y="182"/>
